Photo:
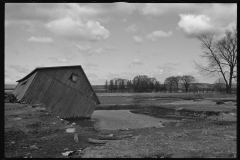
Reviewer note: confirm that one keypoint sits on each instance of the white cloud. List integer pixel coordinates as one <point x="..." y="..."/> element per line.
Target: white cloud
<point x="194" y="25"/>
<point x="132" y="28"/>
<point x="40" y="39"/>
<point x="77" y="30"/>
<point x="137" y="62"/>
<point x="137" y="39"/>
<point x="157" y="34"/>
<point x="213" y="18"/>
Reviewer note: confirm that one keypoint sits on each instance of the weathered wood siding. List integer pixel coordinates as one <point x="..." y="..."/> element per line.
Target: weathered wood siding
<point x="21" y="88"/>
<point x="53" y="88"/>
<point x="63" y="75"/>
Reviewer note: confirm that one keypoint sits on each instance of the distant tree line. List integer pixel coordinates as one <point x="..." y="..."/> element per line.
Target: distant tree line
<point x="143" y="83"/>
<point x="140" y="83"/>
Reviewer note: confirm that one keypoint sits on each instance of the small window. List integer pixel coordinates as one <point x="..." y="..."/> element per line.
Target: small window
<point x="74" y="77"/>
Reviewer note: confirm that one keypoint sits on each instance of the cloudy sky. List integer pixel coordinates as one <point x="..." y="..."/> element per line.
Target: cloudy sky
<point x="117" y="40"/>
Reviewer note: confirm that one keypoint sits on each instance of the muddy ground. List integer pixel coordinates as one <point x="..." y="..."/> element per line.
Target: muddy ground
<point x="200" y="133"/>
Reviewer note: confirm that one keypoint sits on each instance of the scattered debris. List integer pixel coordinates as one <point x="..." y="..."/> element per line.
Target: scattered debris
<point x="71" y="130"/>
<point x="11" y="98"/>
<point x="13" y="142"/>
<point x="64" y="121"/>
<point x="76" y="137"/>
<point x="67" y="153"/>
<point x="73" y="124"/>
<point x="160" y="124"/>
<point x="72" y="153"/>
<point x="33" y="147"/>
<point x="66" y="149"/>
<point x="17" y="118"/>
<point x="24" y="147"/>
<point x="54" y="122"/>
<point x="125" y="129"/>
<point x="28" y="155"/>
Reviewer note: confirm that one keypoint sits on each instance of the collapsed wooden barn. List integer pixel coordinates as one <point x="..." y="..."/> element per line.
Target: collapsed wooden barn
<point x="65" y="90"/>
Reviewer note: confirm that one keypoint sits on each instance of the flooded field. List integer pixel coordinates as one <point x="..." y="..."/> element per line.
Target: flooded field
<point x="124" y="119"/>
<point x="120" y="120"/>
<point x="141" y="126"/>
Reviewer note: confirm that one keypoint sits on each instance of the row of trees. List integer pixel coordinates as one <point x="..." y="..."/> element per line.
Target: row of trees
<point x="143" y="83"/>
<point x="174" y="81"/>
<point x="140" y="83"/>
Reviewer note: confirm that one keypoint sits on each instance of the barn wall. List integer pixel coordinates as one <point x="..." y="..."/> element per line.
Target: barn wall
<point x="63" y="75"/>
<point x="21" y="88"/>
<point x="62" y="98"/>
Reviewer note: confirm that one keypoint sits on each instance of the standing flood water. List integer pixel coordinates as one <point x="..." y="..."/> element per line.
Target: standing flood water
<point x="122" y="119"/>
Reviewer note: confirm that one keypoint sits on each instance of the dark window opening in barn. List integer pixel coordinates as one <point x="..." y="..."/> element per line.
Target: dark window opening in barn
<point x="74" y="77"/>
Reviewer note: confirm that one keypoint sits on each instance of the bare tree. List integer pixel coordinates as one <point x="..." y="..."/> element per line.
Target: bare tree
<point x="219" y="83"/>
<point x="221" y="55"/>
<point x="106" y="85"/>
<point x="187" y="80"/>
<point x="169" y="82"/>
<point x="176" y="81"/>
<point x="111" y="86"/>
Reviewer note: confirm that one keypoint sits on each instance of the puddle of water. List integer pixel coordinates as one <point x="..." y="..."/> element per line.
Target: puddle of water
<point x="119" y="119"/>
<point x="122" y="119"/>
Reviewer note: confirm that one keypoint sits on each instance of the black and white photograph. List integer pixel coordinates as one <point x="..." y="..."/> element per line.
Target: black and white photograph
<point x="120" y="80"/>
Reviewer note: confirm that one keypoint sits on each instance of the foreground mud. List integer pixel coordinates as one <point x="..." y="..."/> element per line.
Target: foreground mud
<point x="36" y="133"/>
<point x="201" y="133"/>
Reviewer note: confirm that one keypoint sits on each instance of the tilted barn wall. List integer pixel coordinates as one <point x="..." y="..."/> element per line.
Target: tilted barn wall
<point x="21" y="88"/>
<point x="65" y="98"/>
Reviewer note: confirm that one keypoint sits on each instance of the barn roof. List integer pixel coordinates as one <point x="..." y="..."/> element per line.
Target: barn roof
<point x="56" y="67"/>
